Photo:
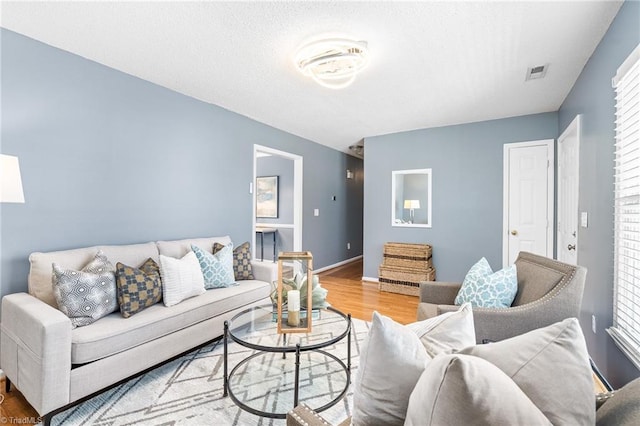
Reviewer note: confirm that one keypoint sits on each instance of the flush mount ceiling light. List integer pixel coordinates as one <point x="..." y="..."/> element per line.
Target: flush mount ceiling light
<point x="332" y="62"/>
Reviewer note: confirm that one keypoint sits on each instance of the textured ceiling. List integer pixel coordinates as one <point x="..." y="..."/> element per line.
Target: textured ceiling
<point x="432" y="63"/>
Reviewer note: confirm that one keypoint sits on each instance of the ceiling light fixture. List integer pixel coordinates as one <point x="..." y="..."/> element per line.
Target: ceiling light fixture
<point x="332" y="62"/>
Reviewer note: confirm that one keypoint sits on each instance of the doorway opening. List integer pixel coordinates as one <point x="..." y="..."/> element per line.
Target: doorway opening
<point x="568" y="193"/>
<point x="277" y="202"/>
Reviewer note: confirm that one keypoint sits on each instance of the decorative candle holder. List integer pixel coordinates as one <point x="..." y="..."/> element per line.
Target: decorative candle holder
<point x="296" y="316"/>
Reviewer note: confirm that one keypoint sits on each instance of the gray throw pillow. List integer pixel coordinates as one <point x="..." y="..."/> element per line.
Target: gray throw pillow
<point x="551" y="366"/>
<point x="623" y="408"/>
<point x="87" y="295"/>
<point x="394" y="356"/>
<point x="466" y="390"/>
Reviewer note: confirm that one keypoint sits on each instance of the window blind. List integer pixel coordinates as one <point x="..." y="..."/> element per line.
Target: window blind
<point x="626" y="306"/>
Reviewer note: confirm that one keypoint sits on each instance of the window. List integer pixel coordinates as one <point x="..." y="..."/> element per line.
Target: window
<point x="626" y="303"/>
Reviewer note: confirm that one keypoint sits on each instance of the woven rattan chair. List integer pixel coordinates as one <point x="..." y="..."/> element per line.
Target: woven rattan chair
<point x="548" y="291"/>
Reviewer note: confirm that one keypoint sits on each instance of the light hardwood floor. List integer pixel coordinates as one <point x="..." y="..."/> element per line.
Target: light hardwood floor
<point x="346" y="292"/>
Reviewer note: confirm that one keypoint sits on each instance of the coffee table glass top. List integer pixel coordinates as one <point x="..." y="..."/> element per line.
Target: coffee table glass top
<point x="256" y="328"/>
<point x="267" y="381"/>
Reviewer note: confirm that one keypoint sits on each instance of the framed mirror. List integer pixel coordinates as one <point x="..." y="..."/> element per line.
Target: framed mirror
<point x="411" y="198"/>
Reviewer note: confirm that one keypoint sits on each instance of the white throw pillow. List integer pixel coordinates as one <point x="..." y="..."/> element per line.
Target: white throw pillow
<point x="393" y="358"/>
<point x="391" y="362"/>
<point x="448" y="332"/>
<point x="551" y="366"/>
<point x="181" y="278"/>
<point x="466" y="390"/>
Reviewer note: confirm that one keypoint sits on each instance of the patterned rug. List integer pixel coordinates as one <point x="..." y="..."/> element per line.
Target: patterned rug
<point x="188" y="391"/>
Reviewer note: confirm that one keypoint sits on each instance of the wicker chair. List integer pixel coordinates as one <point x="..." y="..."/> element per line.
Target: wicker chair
<point x="548" y="291"/>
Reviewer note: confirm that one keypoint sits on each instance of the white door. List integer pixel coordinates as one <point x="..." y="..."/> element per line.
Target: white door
<point x="568" y="184"/>
<point x="528" y="191"/>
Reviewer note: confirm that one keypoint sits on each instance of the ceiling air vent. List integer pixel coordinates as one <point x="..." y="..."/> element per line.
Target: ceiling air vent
<point x="539" y="71"/>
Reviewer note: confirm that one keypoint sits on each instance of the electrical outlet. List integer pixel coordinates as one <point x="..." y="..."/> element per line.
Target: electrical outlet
<point x="593" y="324"/>
<point x="316" y="212"/>
<point x="348" y="246"/>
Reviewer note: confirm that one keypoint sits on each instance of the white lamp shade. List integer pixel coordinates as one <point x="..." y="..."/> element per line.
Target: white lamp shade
<point x="10" y="181"/>
<point x="411" y="204"/>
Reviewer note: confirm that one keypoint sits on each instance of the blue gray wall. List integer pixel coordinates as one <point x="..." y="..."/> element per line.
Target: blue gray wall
<point x="107" y="158"/>
<point x="466" y="162"/>
<point x="593" y="97"/>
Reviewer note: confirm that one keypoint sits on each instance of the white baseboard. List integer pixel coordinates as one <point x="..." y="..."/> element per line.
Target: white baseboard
<point x="335" y="265"/>
<point x="373" y="280"/>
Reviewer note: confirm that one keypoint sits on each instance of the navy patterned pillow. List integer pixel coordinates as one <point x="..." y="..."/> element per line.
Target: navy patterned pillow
<point x="241" y="260"/>
<point x="87" y="295"/>
<point x="138" y="288"/>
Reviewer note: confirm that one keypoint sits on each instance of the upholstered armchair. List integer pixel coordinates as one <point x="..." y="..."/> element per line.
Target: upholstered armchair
<point x="548" y="291"/>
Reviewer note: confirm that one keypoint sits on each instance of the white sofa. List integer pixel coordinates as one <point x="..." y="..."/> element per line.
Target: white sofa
<point x="55" y="365"/>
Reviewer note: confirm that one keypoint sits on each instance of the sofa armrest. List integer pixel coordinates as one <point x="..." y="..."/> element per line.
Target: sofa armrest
<point x="35" y="350"/>
<point x="438" y="292"/>
<point x="265" y="271"/>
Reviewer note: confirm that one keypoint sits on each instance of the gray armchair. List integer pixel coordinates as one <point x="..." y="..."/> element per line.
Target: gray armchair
<point x="548" y="291"/>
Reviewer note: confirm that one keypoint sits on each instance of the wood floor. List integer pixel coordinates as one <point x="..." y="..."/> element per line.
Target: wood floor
<point x="346" y="292"/>
<point x="349" y="294"/>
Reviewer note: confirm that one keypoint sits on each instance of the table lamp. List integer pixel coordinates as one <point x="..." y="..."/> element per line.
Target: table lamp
<point x="411" y="205"/>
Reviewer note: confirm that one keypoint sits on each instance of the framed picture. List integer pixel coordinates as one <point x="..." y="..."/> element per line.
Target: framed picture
<point x="267" y="196"/>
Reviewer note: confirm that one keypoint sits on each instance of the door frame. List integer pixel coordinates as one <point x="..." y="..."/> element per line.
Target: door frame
<point x="297" y="193"/>
<point x="573" y="127"/>
<point x="549" y="143"/>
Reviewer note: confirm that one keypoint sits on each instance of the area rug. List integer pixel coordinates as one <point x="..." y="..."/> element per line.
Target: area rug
<point x="188" y="391"/>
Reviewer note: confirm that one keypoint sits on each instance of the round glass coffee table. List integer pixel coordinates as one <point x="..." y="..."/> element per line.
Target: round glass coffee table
<point x="281" y="370"/>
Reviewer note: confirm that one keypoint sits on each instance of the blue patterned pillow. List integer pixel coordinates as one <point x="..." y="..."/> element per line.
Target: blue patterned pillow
<point x="485" y="289"/>
<point x="217" y="269"/>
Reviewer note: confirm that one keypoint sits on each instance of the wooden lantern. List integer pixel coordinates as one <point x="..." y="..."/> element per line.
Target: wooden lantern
<point x="294" y="318"/>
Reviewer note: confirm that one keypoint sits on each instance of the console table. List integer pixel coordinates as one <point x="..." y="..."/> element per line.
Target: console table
<point x="262" y="231"/>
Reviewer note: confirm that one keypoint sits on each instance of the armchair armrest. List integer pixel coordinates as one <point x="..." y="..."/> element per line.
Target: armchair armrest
<point x="265" y="271"/>
<point x="438" y="292"/>
<point x="499" y="324"/>
<point x="35" y="350"/>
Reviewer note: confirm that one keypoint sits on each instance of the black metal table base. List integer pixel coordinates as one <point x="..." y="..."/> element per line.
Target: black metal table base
<point x="298" y="350"/>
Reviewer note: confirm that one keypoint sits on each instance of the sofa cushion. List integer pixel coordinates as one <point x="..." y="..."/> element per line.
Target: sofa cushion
<point x="138" y="288"/>
<point x="113" y="334"/>
<point x="242" y="268"/>
<point x="181" y="278"/>
<point x="179" y="248"/>
<point x="551" y="365"/>
<point x="465" y="390"/>
<point x="40" y="278"/>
